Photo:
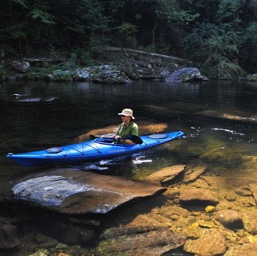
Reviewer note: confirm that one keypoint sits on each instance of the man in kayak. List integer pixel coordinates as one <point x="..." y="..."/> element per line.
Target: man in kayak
<point x="127" y="128"/>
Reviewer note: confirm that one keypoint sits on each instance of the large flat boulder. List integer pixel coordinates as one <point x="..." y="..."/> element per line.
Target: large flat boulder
<point x="78" y="192"/>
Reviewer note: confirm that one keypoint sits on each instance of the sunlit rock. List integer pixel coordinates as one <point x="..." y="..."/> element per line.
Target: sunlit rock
<point x="209" y="209"/>
<point x="249" y="217"/>
<point x="248" y="249"/>
<point x="211" y="242"/>
<point x="229" y="218"/>
<point x="253" y="188"/>
<point x="192" y="173"/>
<point x="244" y="191"/>
<point x="130" y="241"/>
<point x="167" y="174"/>
<point x="235" y="116"/>
<point x="77" y="192"/>
<point x="185" y="75"/>
<point x="203" y="196"/>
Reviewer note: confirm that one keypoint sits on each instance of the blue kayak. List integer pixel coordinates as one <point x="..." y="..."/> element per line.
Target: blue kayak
<point x="96" y="149"/>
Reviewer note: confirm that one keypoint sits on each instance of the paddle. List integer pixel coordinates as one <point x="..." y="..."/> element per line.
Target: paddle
<point x="134" y="138"/>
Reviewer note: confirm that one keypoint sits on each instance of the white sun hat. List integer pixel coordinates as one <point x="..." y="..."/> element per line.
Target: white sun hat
<point x="127" y="112"/>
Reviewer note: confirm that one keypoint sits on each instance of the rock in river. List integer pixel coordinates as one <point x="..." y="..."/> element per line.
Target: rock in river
<point x="130" y="241"/>
<point x="78" y="192"/>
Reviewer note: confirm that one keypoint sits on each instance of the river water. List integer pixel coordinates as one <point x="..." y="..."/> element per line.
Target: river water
<point x="67" y="110"/>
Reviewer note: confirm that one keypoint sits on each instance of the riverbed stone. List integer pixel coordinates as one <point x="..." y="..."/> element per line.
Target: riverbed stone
<point x="244" y="191"/>
<point x="191" y="195"/>
<point x="192" y="173"/>
<point x="229" y="218"/>
<point x="152" y="241"/>
<point x="253" y="188"/>
<point x="249" y="249"/>
<point x="234" y="116"/>
<point x="159" y="111"/>
<point x="8" y="234"/>
<point x="249" y="217"/>
<point x="45" y="241"/>
<point x="77" y="192"/>
<point x="210" y="243"/>
<point x="167" y="174"/>
<point x="186" y="108"/>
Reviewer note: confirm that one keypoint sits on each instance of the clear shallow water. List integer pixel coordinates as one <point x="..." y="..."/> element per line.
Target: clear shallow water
<point x="81" y="107"/>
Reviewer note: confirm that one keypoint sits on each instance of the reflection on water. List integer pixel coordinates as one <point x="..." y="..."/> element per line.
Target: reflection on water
<point x="225" y="146"/>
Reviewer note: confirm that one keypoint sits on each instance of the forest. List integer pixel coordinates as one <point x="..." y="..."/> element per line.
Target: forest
<point x="217" y="35"/>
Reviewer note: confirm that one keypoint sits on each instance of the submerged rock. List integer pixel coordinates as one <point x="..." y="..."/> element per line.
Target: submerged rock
<point x="196" y="194"/>
<point x="166" y="174"/>
<point x="245" y="249"/>
<point x="229" y="218"/>
<point x="8" y="234"/>
<point x="77" y="192"/>
<point x="151" y="241"/>
<point x="234" y="116"/>
<point x="249" y="217"/>
<point x="192" y="173"/>
<point x="210" y="243"/>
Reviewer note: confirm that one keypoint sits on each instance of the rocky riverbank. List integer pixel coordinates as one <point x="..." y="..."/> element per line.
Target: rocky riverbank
<point x="114" y="65"/>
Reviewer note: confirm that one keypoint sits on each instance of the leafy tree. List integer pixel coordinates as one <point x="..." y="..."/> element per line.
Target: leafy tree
<point x="248" y="52"/>
<point x="218" y="33"/>
<point x="215" y="47"/>
<point x="12" y="24"/>
<point x="229" y="13"/>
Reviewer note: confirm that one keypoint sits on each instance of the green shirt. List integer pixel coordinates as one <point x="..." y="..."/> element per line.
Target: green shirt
<point x="124" y="131"/>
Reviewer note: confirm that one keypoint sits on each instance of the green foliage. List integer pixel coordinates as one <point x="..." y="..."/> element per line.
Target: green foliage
<point x="172" y="11"/>
<point x="222" y="33"/>
<point x="3" y="73"/>
<point x="95" y="45"/>
<point x="248" y="53"/>
<point x="126" y="33"/>
<point x="215" y="47"/>
<point x="225" y="69"/>
<point x="42" y="16"/>
<point x="228" y="9"/>
<point x="212" y="39"/>
<point x="126" y="28"/>
<point x="22" y="3"/>
<point x="250" y="33"/>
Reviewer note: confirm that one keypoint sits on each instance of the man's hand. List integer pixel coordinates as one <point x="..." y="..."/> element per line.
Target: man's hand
<point x="117" y="137"/>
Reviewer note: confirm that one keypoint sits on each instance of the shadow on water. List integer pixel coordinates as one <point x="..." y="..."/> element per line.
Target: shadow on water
<point x="226" y="147"/>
